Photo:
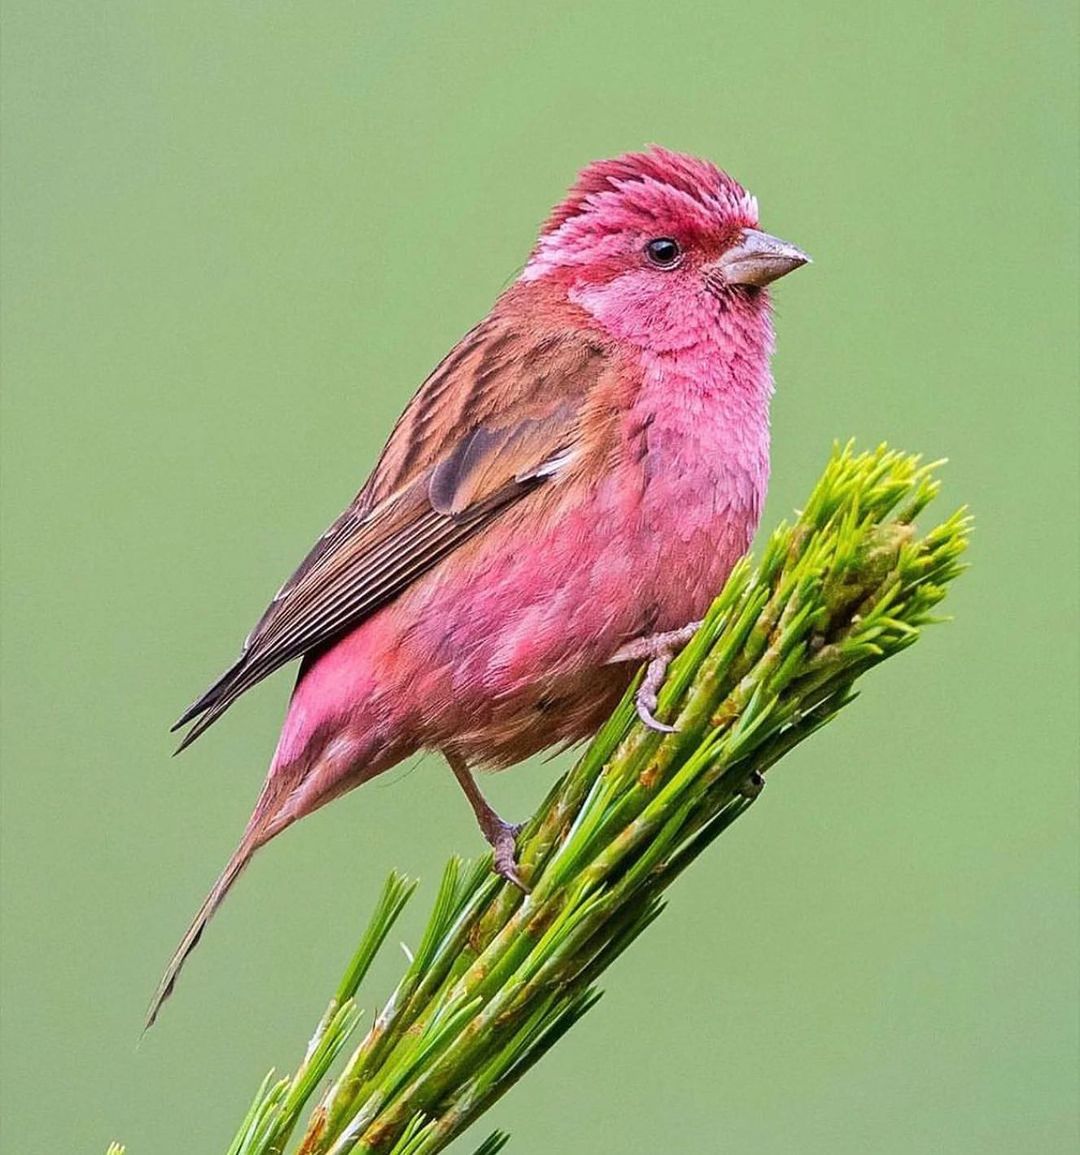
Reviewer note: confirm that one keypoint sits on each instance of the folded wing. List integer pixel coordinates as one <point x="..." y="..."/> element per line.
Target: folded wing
<point x="499" y="417"/>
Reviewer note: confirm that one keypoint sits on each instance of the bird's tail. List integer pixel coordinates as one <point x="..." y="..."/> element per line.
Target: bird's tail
<point x="254" y="836"/>
<point x="280" y="804"/>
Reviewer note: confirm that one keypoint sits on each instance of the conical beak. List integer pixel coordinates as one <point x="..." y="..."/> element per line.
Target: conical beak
<point x="758" y="259"/>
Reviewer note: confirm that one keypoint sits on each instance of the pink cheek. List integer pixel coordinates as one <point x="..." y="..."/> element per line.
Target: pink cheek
<point x="659" y="311"/>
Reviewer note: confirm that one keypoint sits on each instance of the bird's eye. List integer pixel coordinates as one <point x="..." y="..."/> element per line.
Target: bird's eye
<point x="664" y="252"/>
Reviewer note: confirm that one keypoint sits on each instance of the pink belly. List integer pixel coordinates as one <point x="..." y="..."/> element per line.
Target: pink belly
<point x="502" y="651"/>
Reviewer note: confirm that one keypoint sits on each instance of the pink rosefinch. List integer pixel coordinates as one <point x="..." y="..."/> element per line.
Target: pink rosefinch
<point x="571" y="485"/>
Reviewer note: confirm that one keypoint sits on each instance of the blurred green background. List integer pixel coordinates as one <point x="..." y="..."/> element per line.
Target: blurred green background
<point x="235" y="238"/>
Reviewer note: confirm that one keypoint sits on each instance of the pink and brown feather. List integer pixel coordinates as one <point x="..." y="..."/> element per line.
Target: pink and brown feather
<point x="583" y="468"/>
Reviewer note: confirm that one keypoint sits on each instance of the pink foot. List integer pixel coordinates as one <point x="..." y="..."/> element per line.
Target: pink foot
<point x="659" y="649"/>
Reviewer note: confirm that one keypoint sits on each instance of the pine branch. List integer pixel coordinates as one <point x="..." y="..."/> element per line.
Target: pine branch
<point x="499" y="976"/>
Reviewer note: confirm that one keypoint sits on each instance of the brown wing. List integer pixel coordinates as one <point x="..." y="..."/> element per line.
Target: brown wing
<point x="498" y="417"/>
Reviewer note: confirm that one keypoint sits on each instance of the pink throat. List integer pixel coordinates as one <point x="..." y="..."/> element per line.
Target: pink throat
<point x="705" y="393"/>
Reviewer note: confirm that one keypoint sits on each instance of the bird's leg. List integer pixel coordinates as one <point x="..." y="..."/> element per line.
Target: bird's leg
<point x="659" y="649"/>
<point x="501" y="835"/>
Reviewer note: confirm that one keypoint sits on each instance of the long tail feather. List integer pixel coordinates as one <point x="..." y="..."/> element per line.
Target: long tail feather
<point x="241" y="857"/>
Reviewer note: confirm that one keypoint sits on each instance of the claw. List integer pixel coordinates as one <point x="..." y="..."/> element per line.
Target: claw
<point x="501" y="836"/>
<point x="645" y="709"/>
<point x="505" y="864"/>
<point x="646" y="698"/>
<point x="659" y="649"/>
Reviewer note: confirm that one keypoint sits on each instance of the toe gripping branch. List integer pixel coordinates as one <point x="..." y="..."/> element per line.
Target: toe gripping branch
<point x="659" y="649"/>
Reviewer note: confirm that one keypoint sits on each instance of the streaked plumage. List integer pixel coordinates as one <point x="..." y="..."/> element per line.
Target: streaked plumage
<point x="582" y="469"/>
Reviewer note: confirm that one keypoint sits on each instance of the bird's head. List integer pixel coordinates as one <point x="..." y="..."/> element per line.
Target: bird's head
<point x="657" y="245"/>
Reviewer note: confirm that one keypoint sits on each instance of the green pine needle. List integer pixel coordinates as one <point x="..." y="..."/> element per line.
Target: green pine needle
<point x="499" y="976"/>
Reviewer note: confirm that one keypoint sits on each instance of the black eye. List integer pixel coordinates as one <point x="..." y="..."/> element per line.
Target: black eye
<point x="663" y="252"/>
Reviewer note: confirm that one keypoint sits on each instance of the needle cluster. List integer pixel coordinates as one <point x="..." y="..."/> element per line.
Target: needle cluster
<point x="499" y="975"/>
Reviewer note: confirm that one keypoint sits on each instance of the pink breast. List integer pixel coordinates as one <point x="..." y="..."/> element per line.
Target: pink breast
<point x="543" y="597"/>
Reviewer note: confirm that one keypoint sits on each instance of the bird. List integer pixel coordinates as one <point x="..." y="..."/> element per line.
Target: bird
<point x="559" y="502"/>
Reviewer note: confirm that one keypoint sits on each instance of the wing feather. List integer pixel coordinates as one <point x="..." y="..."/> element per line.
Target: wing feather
<point x="496" y="419"/>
